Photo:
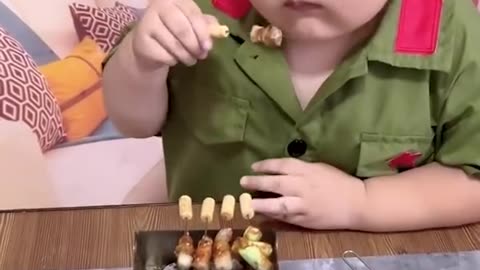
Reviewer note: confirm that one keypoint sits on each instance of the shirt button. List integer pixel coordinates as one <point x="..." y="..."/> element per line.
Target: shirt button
<point x="297" y="148"/>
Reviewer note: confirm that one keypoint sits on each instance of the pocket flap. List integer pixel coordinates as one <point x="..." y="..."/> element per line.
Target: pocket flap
<point x="377" y="151"/>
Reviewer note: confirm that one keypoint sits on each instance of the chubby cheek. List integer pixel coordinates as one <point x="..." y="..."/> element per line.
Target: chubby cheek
<point x="266" y="6"/>
<point x="353" y="14"/>
<point x="271" y="10"/>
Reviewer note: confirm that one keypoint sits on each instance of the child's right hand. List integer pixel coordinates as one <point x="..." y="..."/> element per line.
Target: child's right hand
<point x="172" y="31"/>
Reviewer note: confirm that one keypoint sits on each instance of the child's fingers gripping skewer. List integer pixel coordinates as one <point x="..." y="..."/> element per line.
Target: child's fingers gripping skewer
<point x="246" y="206"/>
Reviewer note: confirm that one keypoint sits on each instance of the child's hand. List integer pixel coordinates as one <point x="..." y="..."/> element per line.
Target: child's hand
<point x="314" y="195"/>
<point x="172" y="31"/>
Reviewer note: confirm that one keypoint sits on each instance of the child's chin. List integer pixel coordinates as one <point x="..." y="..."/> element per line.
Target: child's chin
<point x="312" y="33"/>
<point x="311" y="36"/>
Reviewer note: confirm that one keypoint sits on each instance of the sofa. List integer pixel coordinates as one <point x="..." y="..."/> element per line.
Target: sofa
<point x="58" y="147"/>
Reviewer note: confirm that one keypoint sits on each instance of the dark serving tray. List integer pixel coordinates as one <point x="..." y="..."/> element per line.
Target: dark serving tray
<point x="153" y="250"/>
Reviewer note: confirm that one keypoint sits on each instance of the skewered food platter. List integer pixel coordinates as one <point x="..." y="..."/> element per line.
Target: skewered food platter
<point x="224" y="248"/>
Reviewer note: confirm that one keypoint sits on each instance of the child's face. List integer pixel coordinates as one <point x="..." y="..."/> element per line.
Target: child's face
<point x="318" y="19"/>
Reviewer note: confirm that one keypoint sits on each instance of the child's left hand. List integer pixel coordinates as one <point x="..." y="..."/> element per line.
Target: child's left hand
<point x="314" y="195"/>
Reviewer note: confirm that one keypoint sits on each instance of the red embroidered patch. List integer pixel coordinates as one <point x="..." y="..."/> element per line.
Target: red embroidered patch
<point x="234" y="8"/>
<point x="405" y="160"/>
<point x="419" y="26"/>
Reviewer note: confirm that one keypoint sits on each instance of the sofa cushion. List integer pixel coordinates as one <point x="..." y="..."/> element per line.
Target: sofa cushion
<point x="80" y="96"/>
<point x="25" y="95"/>
<point x="104" y="25"/>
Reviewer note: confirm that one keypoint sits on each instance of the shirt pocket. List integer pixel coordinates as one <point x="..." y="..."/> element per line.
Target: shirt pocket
<point x="215" y="118"/>
<point x="377" y="150"/>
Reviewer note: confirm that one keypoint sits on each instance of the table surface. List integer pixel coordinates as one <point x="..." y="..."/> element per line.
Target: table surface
<point x="103" y="238"/>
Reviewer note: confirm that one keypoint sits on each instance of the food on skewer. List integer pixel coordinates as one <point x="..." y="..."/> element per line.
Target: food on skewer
<point x="203" y="253"/>
<point x="270" y="36"/>
<point x="239" y="243"/>
<point x="255" y="258"/>
<point x="264" y="247"/>
<point x="255" y="253"/>
<point x="247" y="251"/>
<point x="219" y="31"/>
<point x="252" y="233"/>
<point x="184" y="249"/>
<point x="222" y="256"/>
<point x="246" y="206"/>
<point x="184" y="252"/>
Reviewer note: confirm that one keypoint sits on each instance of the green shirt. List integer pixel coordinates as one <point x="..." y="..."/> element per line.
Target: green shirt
<point x="239" y="106"/>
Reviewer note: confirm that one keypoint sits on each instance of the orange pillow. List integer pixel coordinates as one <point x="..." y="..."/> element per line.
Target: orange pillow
<point x="76" y="82"/>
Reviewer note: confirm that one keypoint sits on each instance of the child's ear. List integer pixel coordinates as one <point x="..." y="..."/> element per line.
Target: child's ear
<point x="236" y="9"/>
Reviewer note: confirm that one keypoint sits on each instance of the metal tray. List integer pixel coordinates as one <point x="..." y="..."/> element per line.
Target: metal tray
<point x="153" y="250"/>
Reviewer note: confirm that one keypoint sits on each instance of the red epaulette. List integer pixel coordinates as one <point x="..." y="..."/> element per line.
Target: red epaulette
<point x="419" y="27"/>
<point x="236" y="9"/>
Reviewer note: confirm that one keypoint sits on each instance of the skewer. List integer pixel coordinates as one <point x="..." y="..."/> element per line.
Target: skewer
<point x="222" y="255"/>
<point x="185" y="210"/>
<point x="184" y="249"/>
<point x="351" y="254"/>
<point x="203" y="253"/>
<point x="246" y="207"/>
<point x="206" y="213"/>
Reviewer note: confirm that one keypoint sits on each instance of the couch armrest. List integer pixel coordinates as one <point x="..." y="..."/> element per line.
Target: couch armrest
<point x="24" y="179"/>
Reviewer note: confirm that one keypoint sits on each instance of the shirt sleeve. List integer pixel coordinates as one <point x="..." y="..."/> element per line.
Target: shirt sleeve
<point x="458" y="123"/>
<point x="127" y="29"/>
<point x="458" y="133"/>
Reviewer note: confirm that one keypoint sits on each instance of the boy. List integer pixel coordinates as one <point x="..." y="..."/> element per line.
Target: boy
<point x="367" y="117"/>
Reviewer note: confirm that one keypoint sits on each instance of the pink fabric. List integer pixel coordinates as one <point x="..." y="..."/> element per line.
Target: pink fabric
<point x="25" y="95"/>
<point x="234" y="8"/>
<point x="104" y="25"/>
<point x="419" y="26"/>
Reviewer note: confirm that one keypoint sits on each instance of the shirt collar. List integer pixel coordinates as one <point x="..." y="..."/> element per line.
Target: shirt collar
<point x="381" y="46"/>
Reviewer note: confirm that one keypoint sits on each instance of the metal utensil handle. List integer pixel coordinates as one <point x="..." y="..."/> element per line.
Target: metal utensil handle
<point x="349" y="254"/>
